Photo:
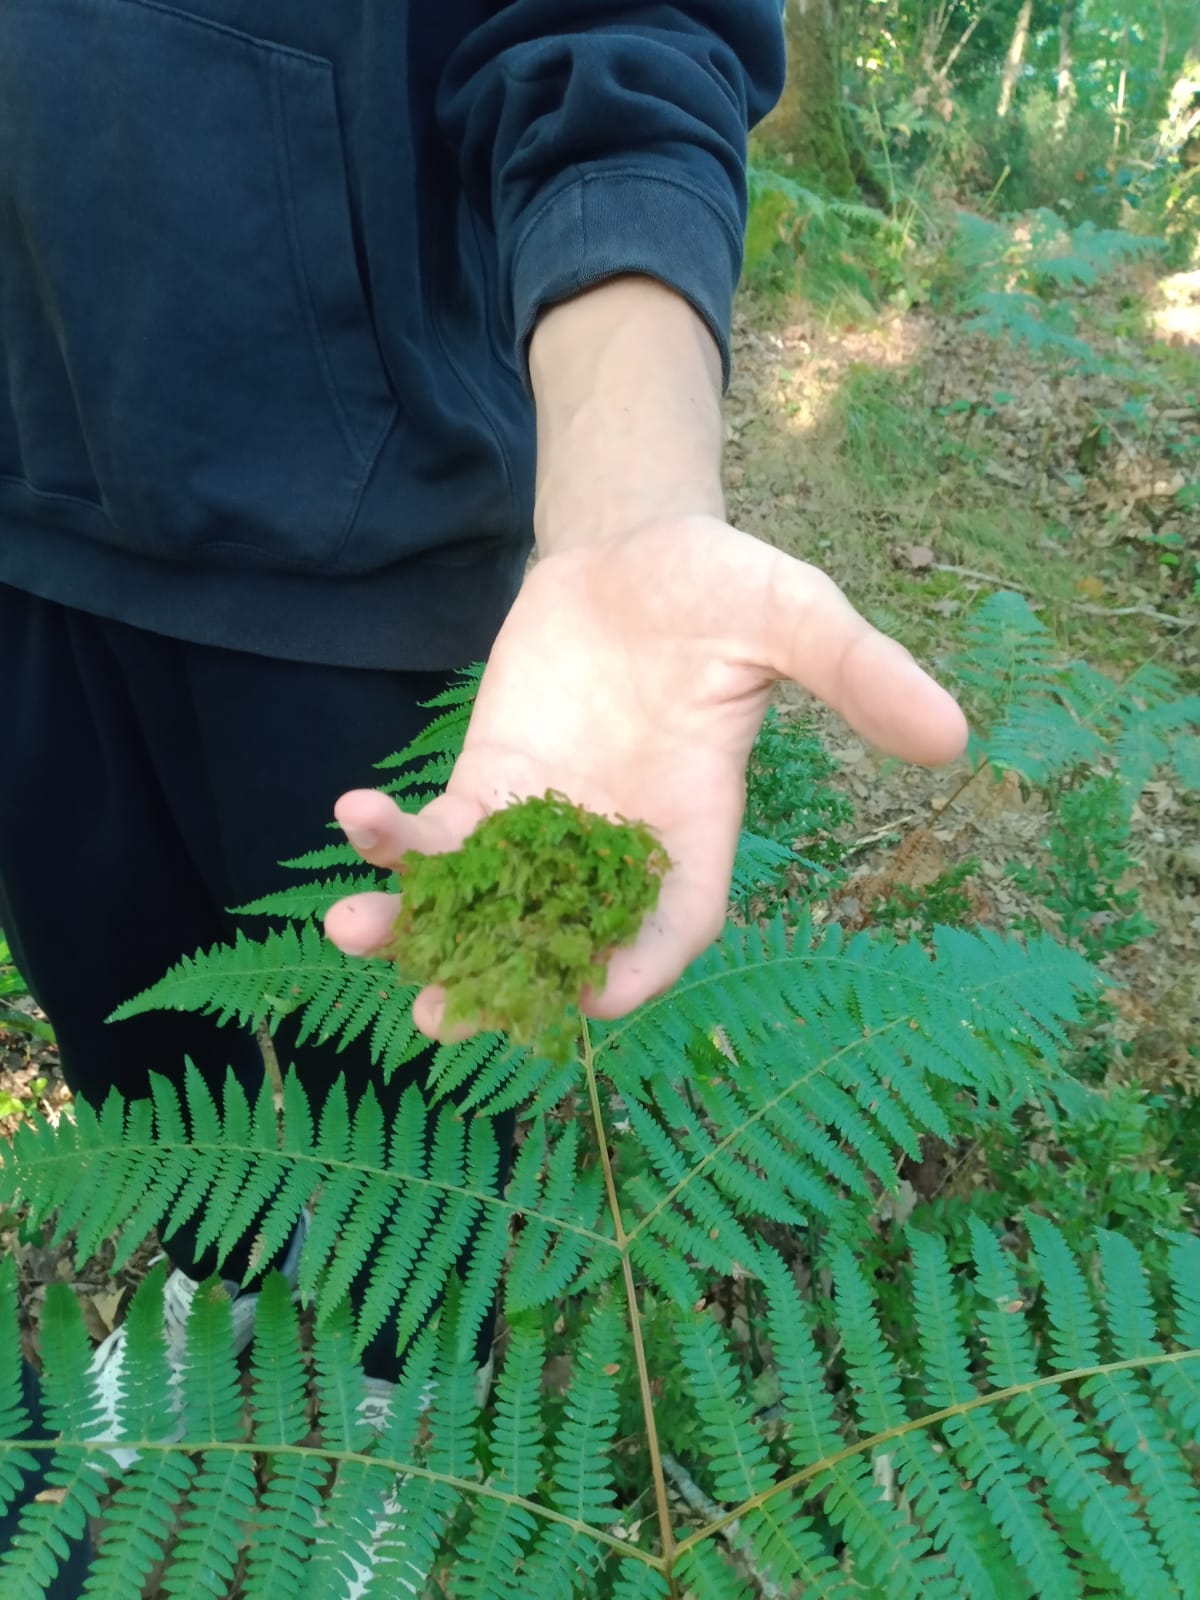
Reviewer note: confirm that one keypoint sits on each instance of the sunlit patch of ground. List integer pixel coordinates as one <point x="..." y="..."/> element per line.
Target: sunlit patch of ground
<point x="1176" y="317"/>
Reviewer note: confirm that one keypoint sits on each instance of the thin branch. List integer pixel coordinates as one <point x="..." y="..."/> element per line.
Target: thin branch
<point x="666" y="1531"/>
<point x="878" y="835"/>
<point x="1134" y="611"/>
<point x="1072" y="605"/>
<point x="944" y="69"/>
<point x="982" y="577"/>
<point x="696" y="1500"/>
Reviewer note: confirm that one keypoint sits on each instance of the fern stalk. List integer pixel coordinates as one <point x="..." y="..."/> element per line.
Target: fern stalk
<point x="666" y="1531"/>
<point x="932" y="1419"/>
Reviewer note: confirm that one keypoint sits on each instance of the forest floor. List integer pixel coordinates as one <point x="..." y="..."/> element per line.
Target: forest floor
<point x="925" y="467"/>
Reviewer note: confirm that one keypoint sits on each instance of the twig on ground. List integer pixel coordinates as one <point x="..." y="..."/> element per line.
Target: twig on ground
<point x="696" y="1500"/>
<point x="878" y="835"/>
<point x="1134" y="611"/>
<point x="1073" y="605"/>
<point x="982" y="577"/>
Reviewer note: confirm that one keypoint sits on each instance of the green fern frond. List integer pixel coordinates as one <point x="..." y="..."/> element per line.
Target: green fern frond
<point x="500" y="1532"/>
<point x="443" y="735"/>
<point x="52" y="1523"/>
<point x="807" y="202"/>
<point x="1068" y="1531"/>
<point x="308" y="902"/>
<point x="871" y="1495"/>
<point x="820" y="1105"/>
<point x="974" y="1560"/>
<point x="435" y="1178"/>
<point x="1055" y="1434"/>
<point x="1049" y="716"/>
<point x="15" y="1466"/>
<point x="323" y="858"/>
<point x="985" y="1453"/>
<point x="340" y="998"/>
<point x="582" y="1486"/>
<point x="836" y="1057"/>
<point x="737" y="1460"/>
<point x="293" y="970"/>
<point x="1034" y="1437"/>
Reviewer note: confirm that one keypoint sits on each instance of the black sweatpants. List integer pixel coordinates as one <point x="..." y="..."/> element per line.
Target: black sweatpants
<point x="148" y="785"/>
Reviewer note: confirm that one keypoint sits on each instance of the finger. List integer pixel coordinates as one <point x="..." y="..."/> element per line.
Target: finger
<point x="894" y="703"/>
<point x="869" y="679"/>
<point x="428" y="1010"/>
<point x="689" y="916"/>
<point x="363" y="924"/>
<point x="382" y="833"/>
<point x="429" y="1014"/>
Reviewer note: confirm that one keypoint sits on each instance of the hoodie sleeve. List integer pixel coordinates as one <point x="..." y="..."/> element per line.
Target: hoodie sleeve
<point x="598" y="138"/>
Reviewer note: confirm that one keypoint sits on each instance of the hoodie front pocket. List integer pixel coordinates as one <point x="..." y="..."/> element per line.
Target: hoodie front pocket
<point x="181" y="314"/>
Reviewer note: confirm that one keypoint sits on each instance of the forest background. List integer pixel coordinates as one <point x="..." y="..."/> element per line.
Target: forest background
<point x="968" y="386"/>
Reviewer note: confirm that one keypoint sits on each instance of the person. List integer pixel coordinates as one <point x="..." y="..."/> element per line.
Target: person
<point x="314" y="320"/>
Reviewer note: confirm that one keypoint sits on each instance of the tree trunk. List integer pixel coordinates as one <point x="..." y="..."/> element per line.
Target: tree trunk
<point x="806" y="127"/>
<point x="1180" y="129"/>
<point x="1120" y="122"/>
<point x="1012" y="62"/>
<point x="1066" y="81"/>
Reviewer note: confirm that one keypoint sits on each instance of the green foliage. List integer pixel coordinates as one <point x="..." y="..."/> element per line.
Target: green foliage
<point x="924" y="909"/>
<point x="13" y="1018"/>
<point x="525" y="915"/>
<point x="885" y="428"/>
<point x="1165" y="201"/>
<point x="1105" y="1168"/>
<point x="1013" y="277"/>
<point x="789" y="796"/>
<point x="1066" y="168"/>
<point x="793" y="812"/>
<point x="1086" y="863"/>
<point x="510" y="1503"/>
<point x="1051" y="719"/>
<point x="838" y="253"/>
<point x="690" y="1240"/>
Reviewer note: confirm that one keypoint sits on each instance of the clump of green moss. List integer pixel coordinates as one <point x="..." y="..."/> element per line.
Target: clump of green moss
<point x="526" y="915"/>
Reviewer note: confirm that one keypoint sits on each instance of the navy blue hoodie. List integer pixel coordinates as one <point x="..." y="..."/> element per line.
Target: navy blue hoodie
<point x="267" y="271"/>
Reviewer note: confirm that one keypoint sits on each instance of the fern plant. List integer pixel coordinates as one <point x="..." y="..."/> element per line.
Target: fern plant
<point x="832" y="246"/>
<point x="14" y="997"/>
<point x="1050" y="719"/>
<point x="1011" y="276"/>
<point x="727" y="1144"/>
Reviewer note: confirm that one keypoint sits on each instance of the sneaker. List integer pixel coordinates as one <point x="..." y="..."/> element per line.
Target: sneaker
<point x="375" y="1409"/>
<point x="376" y="1406"/>
<point x="179" y="1291"/>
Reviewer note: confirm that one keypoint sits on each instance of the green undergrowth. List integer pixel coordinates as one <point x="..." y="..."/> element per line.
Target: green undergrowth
<point x="863" y="1261"/>
<point x="851" y="1265"/>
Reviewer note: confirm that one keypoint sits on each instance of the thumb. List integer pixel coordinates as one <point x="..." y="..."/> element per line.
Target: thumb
<point x="822" y="643"/>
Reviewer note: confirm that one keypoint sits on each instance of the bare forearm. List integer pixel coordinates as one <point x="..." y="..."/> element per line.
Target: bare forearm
<point x="627" y="381"/>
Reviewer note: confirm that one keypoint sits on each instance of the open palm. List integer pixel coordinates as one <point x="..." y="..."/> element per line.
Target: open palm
<point x="633" y="676"/>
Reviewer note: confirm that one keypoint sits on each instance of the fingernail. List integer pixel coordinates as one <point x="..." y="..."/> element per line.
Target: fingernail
<point x="362" y="838"/>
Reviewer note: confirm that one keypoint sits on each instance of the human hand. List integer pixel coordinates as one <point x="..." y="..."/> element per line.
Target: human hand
<point x="632" y="674"/>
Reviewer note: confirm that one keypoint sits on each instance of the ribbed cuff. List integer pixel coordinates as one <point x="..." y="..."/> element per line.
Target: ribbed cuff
<point x="607" y="224"/>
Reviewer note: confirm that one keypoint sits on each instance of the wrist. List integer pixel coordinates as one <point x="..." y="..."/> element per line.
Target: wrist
<point x="627" y="382"/>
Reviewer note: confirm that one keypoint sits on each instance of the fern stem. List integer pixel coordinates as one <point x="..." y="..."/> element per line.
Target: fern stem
<point x="666" y="1532"/>
<point x="931" y="1420"/>
<point x="468" y="1488"/>
<point x="323" y="1167"/>
<point x="788" y="1092"/>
